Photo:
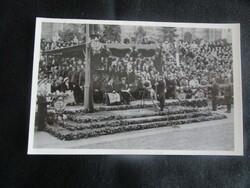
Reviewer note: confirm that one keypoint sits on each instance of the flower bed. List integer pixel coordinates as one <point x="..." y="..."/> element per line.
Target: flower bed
<point x="73" y="135"/>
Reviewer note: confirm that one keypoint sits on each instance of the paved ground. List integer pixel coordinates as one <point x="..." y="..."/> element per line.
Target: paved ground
<point x="211" y="135"/>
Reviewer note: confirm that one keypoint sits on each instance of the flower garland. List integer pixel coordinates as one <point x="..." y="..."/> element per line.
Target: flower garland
<point x="73" y="135"/>
<point x="115" y="123"/>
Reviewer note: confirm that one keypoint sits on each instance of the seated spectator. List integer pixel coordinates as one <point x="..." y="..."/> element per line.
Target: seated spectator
<point x="170" y="86"/>
<point x="201" y="62"/>
<point x="193" y="82"/>
<point x="181" y="95"/>
<point x="125" y="91"/>
<point x="184" y="82"/>
<point x="113" y="96"/>
<point x="199" y="94"/>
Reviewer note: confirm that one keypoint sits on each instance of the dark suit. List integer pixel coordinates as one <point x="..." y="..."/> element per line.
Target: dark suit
<point x="78" y="95"/>
<point x="75" y="78"/>
<point x="97" y="93"/>
<point x="228" y="92"/>
<point x="161" y="93"/>
<point x="125" y="95"/>
<point x="215" y="92"/>
<point x="170" y="84"/>
<point x="64" y="87"/>
<point x="42" y="112"/>
<point x="110" y="88"/>
<point x="81" y="80"/>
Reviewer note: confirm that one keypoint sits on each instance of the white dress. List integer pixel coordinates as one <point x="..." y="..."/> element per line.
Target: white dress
<point x="70" y="98"/>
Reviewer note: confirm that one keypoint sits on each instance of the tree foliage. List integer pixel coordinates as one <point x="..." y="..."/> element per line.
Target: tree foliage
<point x="168" y="34"/>
<point x="68" y="34"/>
<point x="140" y="33"/>
<point x="112" y="33"/>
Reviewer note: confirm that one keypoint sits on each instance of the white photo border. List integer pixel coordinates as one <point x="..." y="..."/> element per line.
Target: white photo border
<point x="238" y="115"/>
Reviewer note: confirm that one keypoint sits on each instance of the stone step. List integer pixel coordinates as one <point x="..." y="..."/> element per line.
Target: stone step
<point x="136" y="120"/>
<point x="65" y="134"/>
<point x="117" y="115"/>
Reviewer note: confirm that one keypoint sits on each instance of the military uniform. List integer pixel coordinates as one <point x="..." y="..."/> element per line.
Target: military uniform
<point x="41" y="112"/>
<point x="215" y="92"/>
<point x="161" y="93"/>
<point x="228" y="94"/>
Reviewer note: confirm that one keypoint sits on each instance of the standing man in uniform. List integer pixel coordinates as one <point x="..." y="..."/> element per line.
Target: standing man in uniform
<point x="228" y="94"/>
<point x="161" y="87"/>
<point x="215" y="93"/>
<point x="42" y="110"/>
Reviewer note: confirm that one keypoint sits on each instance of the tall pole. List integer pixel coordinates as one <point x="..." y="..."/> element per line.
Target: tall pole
<point x="177" y="53"/>
<point x="87" y="98"/>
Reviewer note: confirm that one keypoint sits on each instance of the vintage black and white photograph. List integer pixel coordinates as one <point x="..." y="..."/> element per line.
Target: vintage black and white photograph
<point x="125" y="87"/>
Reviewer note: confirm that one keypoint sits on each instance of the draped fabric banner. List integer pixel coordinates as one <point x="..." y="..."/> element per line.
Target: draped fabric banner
<point x="127" y="46"/>
<point x="147" y="52"/>
<point x="119" y="50"/>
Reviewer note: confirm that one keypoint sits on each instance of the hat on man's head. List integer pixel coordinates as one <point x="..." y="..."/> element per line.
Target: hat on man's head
<point x="65" y="79"/>
<point x="123" y="78"/>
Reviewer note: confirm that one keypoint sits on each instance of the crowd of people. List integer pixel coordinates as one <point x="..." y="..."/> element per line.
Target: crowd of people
<point x="47" y="45"/>
<point x="120" y="79"/>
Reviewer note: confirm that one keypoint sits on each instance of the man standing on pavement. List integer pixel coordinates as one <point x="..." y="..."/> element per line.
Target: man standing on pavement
<point x="161" y="91"/>
<point x="228" y="94"/>
<point x="42" y="109"/>
<point x="215" y="92"/>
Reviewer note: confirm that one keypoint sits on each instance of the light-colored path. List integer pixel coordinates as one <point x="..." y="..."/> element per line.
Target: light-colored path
<point x="211" y="135"/>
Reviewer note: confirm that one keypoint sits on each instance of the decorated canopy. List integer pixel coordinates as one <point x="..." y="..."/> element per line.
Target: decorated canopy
<point x="66" y="50"/>
<point x="119" y="50"/>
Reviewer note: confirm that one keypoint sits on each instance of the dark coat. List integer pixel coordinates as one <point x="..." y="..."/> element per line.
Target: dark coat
<point x="42" y="112"/>
<point x="122" y="87"/>
<point x="81" y="78"/>
<point x="42" y="104"/>
<point x="96" y="85"/>
<point x="74" y="78"/>
<point x="78" y="94"/>
<point x="215" y="89"/>
<point x="161" y="88"/>
<point x="70" y="74"/>
<point x="228" y="90"/>
<point x="64" y="87"/>
<point x="170" y="84"/>
<point x="110" y="88"/>
<point x="116" y="85"/>
<point x="104" y="86"/>
<point x="161" y="92"/>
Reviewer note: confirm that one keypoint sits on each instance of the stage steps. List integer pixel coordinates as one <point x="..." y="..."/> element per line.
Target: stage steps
<point x="132" y="113"/>
<point x="137" y="105"/>
<point x="85" y="126"/>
